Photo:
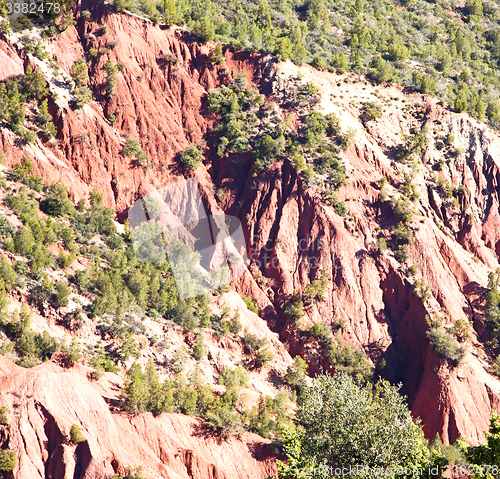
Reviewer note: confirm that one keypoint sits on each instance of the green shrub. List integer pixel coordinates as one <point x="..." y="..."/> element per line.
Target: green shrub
<point x="75" y="434"/>
<point x="381" y="244"/>
<point x="203" y="30"/>
<point x="254" y="342"/>
<point x="402" y="234"/>
<point x="132" y="472"/>
<point x="24" y="242"/>
<point x="296" y="374"/>
<point x="460" y="105"/>
<point x="8" y="460"/>
<point x="402" y="210"/>
<point x="234" y="324"/>
<point x="62" y="294"/>
<point x="39" y="258"/>
<point x="4" y="421"/>
<point x="266" y="152"/>
<point x="111" y="79"/>
<point x="347" y="138"/>
<point x="192" y="157"/>
<point x="262" y="357"/>
<point x="132" y="147"/>
<point x="7" y="273"/>
<point x="408" y="188"/>
<point x="371" y="111"/>
<point x="216" y="55"/>
<point x="315" y="290"/>
<point x="492" y="309"/>
<point x="445" y="188"/>
<point x="83" y="96"/>
<point x="348" y="359"/>
<point x="238" y="376"/>
<point x="445" y="345"/>
<point x="340" y="207"/>
<point x="380" y="70"/>
<point x="44" y="121"/>
<point x="102" y="362"/>
<point x="79" y="73"/>
<point x="401" y="253"/>
<point x="171" y="59"/>
<point x="320" y="331"/>
<point x="199" y="347"/>
<point x="225" y="421"/>
<point x="250" y="304"/>
<point x="496" y="366"/>
<point x="421" y="290"/>
<point x="56" y="202"/>
<point x="294" y="310"/>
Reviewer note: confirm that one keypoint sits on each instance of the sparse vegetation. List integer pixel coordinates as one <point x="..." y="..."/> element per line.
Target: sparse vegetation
<point x="443" y="341"/>
<point x="371" y="111"/>
<point x="75" y="434"/>
<point x="8" y="460"/>
<point x="192" y="157"/>
<point x="250" y="304"/>
<point x="133" y="148"/>
<point x="296" y="374"/>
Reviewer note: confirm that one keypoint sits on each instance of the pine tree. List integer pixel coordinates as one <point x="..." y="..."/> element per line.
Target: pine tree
<point x="36" y="84"/>
<point x="263" y="15"/>
<point x="381" y="71"/>
<point x="154" y="396"/>
<point x="493" y="301"/>
<point x="79" y="73"/>
<point x="216" y="55"/>
<point x="120" y="5"/>
<point x="283" y="48"/>
<point x="135" y="390"/>
<point x="169" y="12"/>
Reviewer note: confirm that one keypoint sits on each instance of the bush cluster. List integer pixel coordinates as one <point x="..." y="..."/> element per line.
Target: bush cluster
<point x="222" y="412"/>
<point x="133" y="148"/>
<point x="192" y="157"/>
<point x="443" y="340"/>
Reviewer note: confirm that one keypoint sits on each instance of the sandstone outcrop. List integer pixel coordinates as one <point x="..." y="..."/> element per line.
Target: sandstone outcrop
<point x="44" y="402"/>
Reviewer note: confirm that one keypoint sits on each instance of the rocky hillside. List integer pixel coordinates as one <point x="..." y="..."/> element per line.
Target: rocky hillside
<point x="47" y="400"/>
<point x="382" y="231"/>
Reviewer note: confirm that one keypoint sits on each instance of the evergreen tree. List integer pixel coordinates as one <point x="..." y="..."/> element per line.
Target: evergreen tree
<point x="283" y="49"/>
<point x="7" y="273"/>
<point x="44" y="120"/>
<point x="169" y="12"/>
<point x="79" y="73"/>
<point x="135" y="390"/>
<point x="381" y="71"/>
<point x="493" y="302"/>
<point x="204" y="30"/>
<point x="36" y="86"/>
<point x="120" y="5"/>
<point x="263" y="15"/>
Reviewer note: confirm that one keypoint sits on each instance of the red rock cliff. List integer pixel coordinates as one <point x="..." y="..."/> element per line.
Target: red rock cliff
<point x="288" y="226"/>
